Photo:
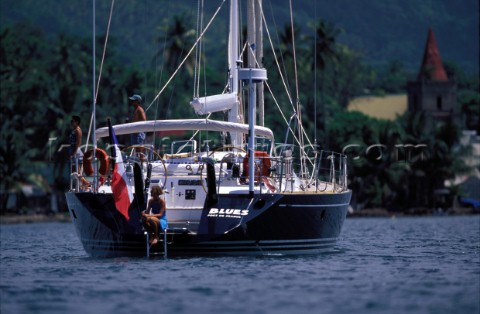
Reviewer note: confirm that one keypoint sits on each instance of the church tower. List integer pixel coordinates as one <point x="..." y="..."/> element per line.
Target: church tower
<point x="433" y="92"/>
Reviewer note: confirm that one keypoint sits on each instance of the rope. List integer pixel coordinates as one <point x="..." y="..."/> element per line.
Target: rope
<point x="281" y="76"/>
<point x="299" y="111"/>
<point x="158" y="79"/>
<point x="104" y="48"/>
<point x="301" y="129"/>
<point x="198" y="53"/>
<point x="186" y="57"/>
<point x="299" y="140"/>
<point x="277" y="63"/>
<point x="100" y="73"/>
<point x="294" y="55"/>
<point x="275" y="100"/>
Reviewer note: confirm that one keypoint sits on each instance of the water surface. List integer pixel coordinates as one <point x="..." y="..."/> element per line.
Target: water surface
<point x="380" y="265"/>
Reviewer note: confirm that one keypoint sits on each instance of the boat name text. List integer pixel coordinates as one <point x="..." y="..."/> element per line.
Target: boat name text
<point x="227" y="212"/>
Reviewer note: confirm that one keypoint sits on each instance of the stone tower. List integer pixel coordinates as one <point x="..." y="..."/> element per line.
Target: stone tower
<point x="433" y="92"/>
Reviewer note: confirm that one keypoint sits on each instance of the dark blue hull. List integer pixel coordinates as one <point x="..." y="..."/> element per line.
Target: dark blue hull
<point x="283" y="224"/>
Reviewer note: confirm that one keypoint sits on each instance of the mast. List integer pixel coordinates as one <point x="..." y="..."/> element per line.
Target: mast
<point x="94" y="138"/>
<point x="233" y="46"/>
<point x="252" y="75"/>
<point x="251" y="34"/>
<point x="234" y="63"/>
<point x="252" y="91"/>
<point x="259" y="57"/>
<point x="255" y="53"/>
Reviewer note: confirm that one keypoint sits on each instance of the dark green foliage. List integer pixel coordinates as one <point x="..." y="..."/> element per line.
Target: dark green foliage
<point x="23" y="88"/>
<point x="46" y="79"/>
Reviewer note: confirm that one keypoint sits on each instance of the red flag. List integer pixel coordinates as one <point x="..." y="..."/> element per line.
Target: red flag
<point x="121" y="188"/>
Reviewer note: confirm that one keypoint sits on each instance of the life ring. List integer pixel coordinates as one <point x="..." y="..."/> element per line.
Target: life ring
<point x="102" y="157"/>
<point x="262" y="169"/>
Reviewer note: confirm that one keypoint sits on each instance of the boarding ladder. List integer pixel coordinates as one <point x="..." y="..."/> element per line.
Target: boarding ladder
<point x="148" y="245"/>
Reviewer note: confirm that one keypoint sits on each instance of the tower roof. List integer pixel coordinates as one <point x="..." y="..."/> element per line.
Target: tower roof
<point x="432" y="67"/>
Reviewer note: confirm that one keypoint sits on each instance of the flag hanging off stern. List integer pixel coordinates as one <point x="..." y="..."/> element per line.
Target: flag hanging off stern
<point x="121" y="188"/>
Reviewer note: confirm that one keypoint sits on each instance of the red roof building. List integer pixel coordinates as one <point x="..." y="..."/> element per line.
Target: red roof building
<point x="433" y="92"/>
<point x="432" y="67"/>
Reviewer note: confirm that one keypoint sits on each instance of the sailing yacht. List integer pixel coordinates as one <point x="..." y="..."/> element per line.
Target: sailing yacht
<point x="250" y="196"/>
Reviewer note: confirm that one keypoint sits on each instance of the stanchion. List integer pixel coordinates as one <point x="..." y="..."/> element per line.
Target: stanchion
<point x="165" y="243"/>
<point x="148" y="244"/>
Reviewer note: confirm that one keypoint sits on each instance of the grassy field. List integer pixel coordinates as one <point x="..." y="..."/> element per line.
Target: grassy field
<point x="380" y="107"/>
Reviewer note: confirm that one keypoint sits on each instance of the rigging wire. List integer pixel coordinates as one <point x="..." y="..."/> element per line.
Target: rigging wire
<point x="315" y="78"/>
<point x="299" y="112"/>
<point x="272" y="94"/>
<point x="315" y="93"/>
<point x="294" y="57"/>
<point x="186" y="57"/>
<point x="198" y="50"/>
<point x="158" y="80"/>
<point x="104" y="49"/>
<point x="202" y="50"/>
<point x="285" y="84"/>
<point x="93" y="122"/>
<point x="284" y="80"/>
<point x="97" y="86"/>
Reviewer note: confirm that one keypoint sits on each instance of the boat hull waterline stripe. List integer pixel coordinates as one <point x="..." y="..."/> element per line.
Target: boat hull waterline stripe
<point x="282" y="247"/>
<point x="311" y="206"/>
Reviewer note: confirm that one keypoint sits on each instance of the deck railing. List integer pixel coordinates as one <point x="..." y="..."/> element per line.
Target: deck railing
<point x="326" y="171"/>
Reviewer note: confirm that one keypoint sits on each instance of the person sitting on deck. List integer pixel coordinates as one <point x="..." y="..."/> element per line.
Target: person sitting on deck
<point x="154" y="217"/>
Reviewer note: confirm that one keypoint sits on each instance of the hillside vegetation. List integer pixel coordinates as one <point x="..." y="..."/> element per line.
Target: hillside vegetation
<point x="362" y="48"/>
<point x="381" y="30"/>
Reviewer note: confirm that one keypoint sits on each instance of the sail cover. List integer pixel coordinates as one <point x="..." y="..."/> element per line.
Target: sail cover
<point x="215" y="103"/>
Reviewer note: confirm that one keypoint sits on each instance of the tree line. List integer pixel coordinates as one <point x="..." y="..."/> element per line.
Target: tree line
<point x="45" y="80"/>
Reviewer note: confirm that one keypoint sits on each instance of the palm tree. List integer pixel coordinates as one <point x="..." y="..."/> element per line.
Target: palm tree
<point x="22" y="89"/>
<point x="177" y="39"/>
<point x="324" y="52"/>
<point x="325" y="43"/>
<point x="438" y="162"/>
<point x="284" y="53"/>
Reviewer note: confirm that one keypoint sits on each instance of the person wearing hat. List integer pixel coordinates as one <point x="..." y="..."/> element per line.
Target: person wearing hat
<point x="138" y="115"/>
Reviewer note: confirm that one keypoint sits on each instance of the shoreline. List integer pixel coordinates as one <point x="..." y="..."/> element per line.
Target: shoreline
<point x="413" y="212"/>
<point x="35" y="218"/>
<point x="364" y="213"/>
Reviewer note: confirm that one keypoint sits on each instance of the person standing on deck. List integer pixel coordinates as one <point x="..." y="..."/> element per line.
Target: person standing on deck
<point x="74" y="151"/>
<point x="138" y="115"/>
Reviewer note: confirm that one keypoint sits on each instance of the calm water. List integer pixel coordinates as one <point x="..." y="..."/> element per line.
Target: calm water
<point x="403" y="265"/>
